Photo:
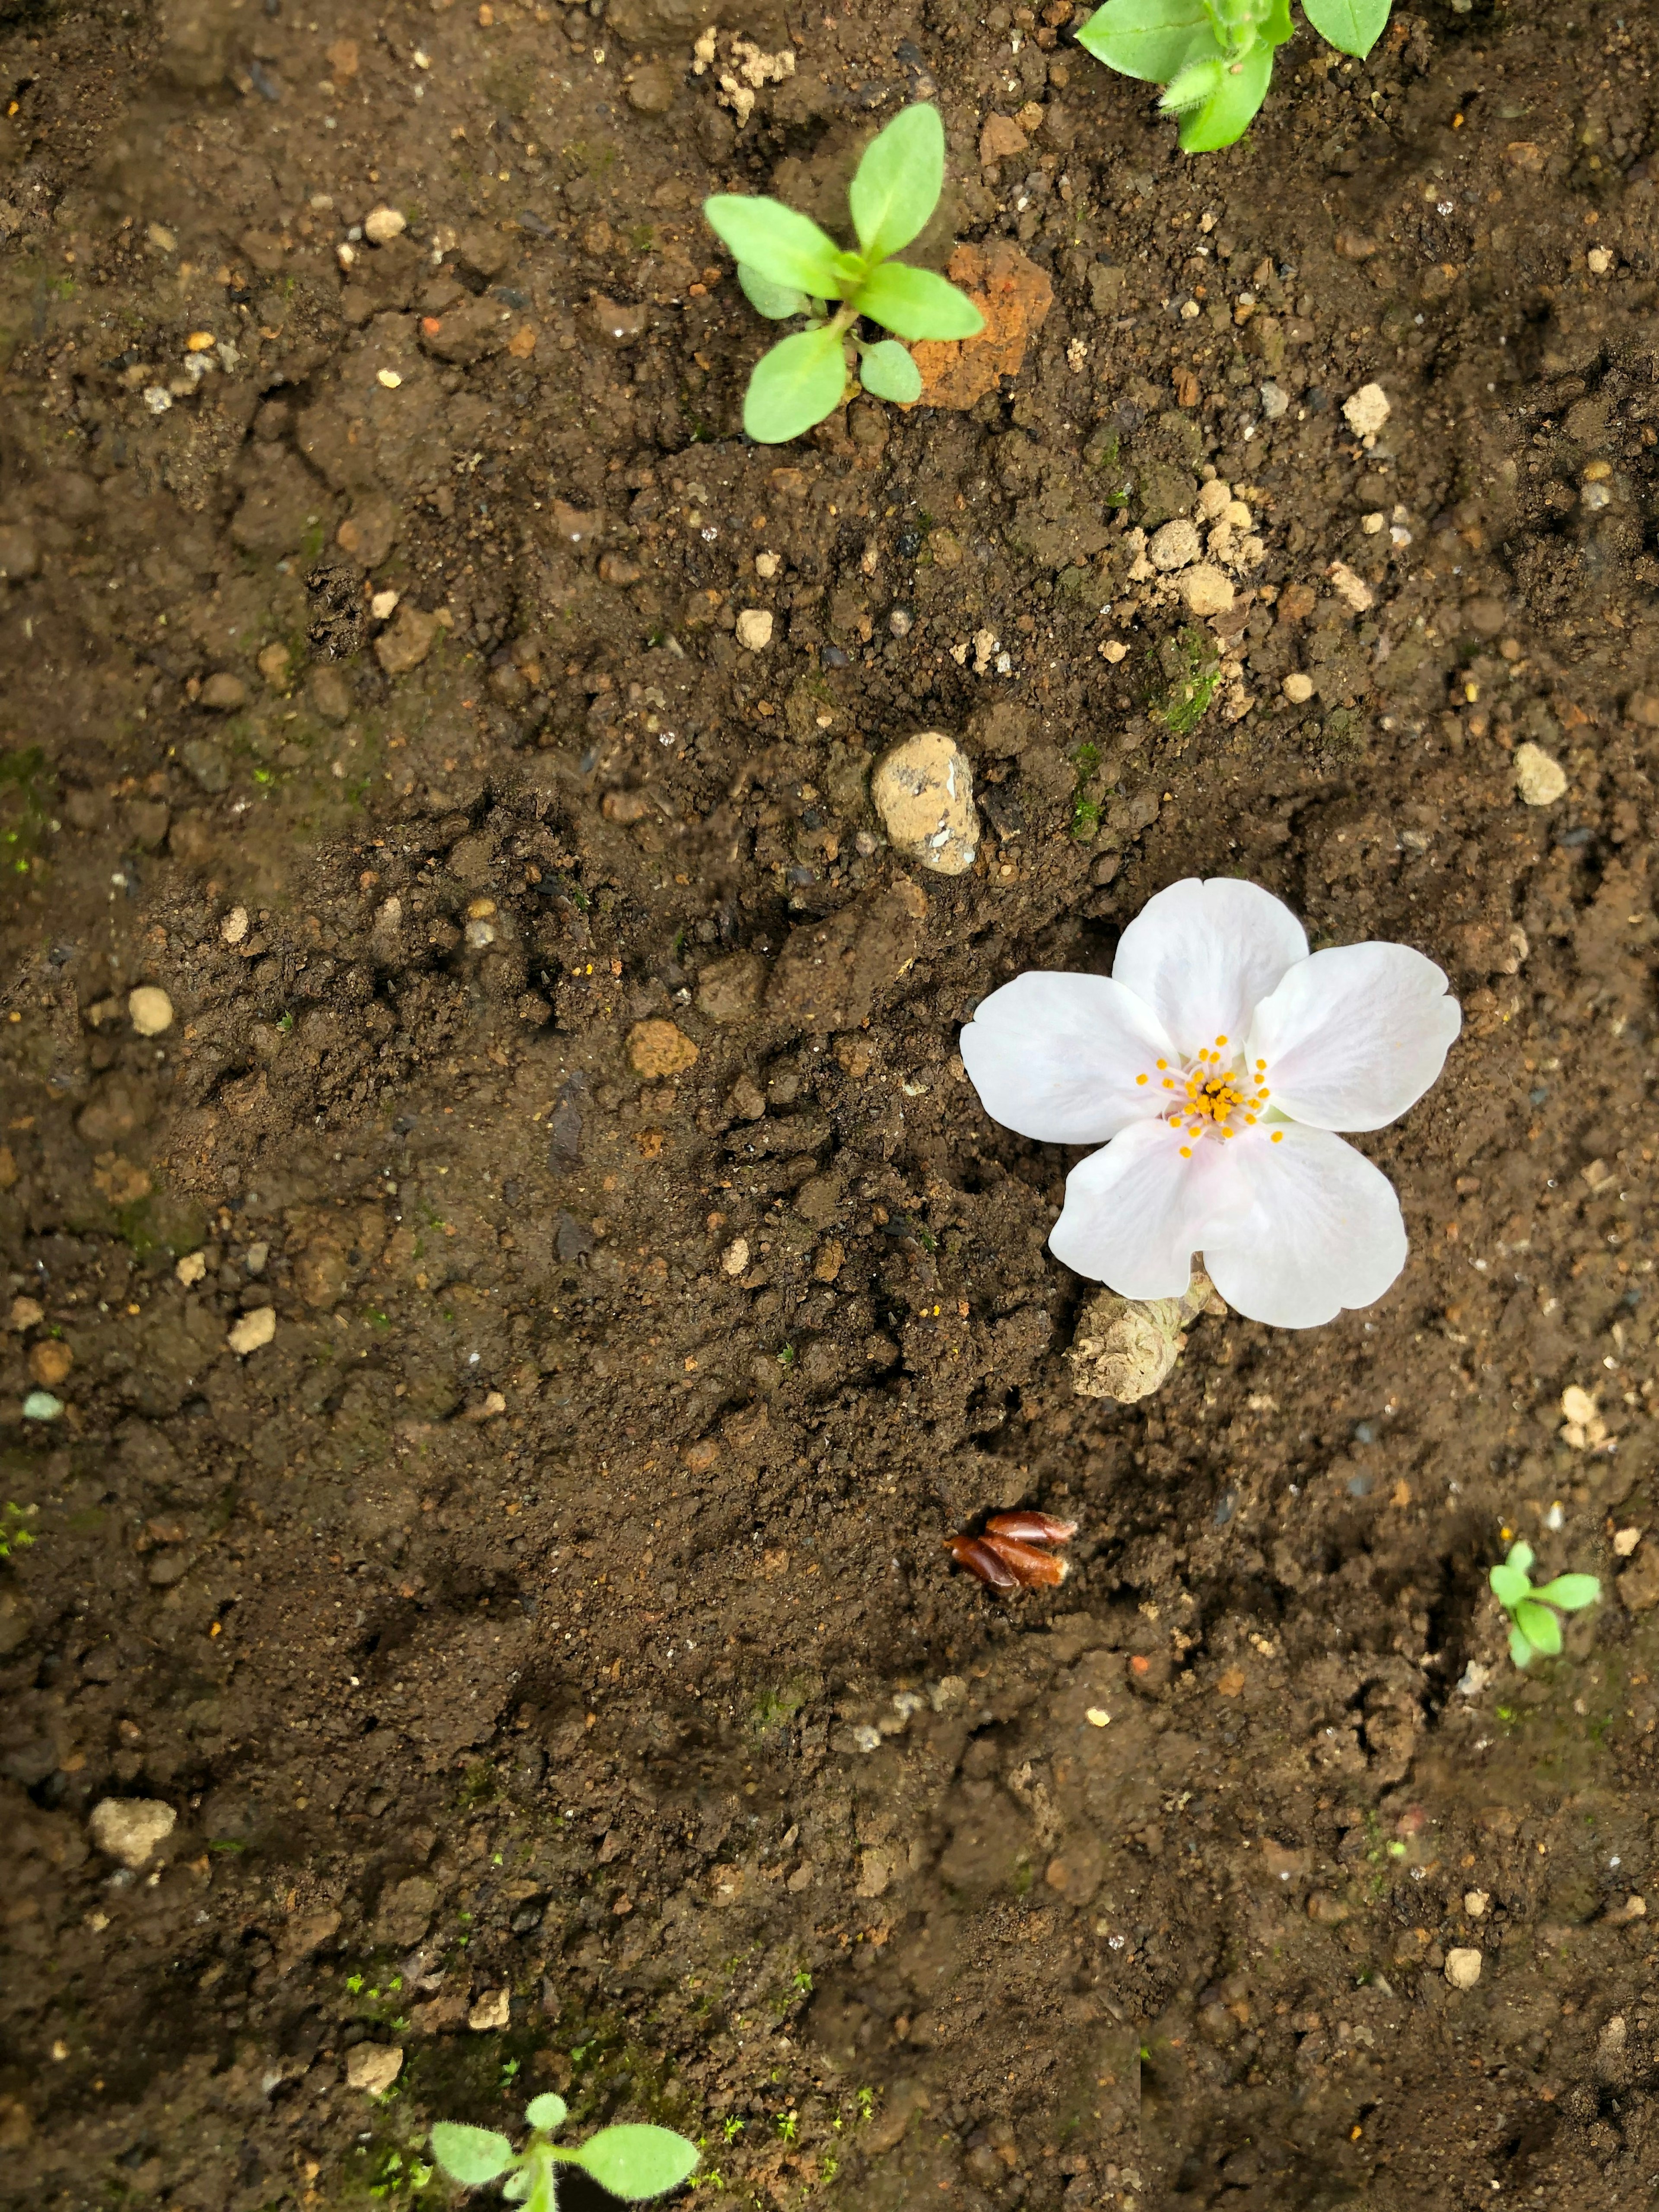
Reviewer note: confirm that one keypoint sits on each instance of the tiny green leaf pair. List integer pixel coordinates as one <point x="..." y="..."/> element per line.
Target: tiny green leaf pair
<point x="787" y="266"/>
<point x="1215" y="58"/>
<point x="631" y="2162"/>
<point x="1534" y="1630"/>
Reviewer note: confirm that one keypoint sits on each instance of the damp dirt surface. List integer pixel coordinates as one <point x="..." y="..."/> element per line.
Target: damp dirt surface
<point x="522" y="1329"/>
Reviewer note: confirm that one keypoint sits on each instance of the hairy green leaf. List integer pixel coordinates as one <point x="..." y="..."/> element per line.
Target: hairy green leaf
<point x="887" y="372"/>
<point x="898" y="181"/>
<point x="470" y="2155"/>
<point x="1540" y="1627"/>
<point x="915" y="303"/>
<point x="1520" y="1650"/>
<point x="546" y="2113"/>
<point x="1353" y="26"/>
<point x="1224" y="119"/>
<point x="1572" y="1593"/>
<point x="1522" y="1556"/>
<point x="777" y="302"/>
<point x="1192" y="87"/>
<point x="1509" y="1585"/>
<point x="776" y="243"/>
<point x="1150" y="39"/>
<point x="795" y="385"/>
<point x="634" y="2162"/>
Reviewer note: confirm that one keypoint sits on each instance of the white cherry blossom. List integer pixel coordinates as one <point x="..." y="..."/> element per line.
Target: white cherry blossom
<point x="1214" y="1067"/>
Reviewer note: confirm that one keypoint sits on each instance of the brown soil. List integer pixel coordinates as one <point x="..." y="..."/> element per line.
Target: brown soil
<point x="554" y="1604"/>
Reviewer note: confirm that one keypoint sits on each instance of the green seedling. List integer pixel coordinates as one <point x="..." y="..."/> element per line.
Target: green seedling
<point x="1534" y="1628"/>
<point x="787" y="266"/>
<point x="1214" y="59"/>
<point x="16" y="1533"/>
<point x="632" y="2162"/>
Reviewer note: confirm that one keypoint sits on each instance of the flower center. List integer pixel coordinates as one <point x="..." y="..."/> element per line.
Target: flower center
<point x="1214" y="1096"/>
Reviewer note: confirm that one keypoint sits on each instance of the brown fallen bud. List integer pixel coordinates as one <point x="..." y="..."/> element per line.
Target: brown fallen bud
<point x="1031" y="1566"/>
<point x="976" y="1555"/>
<point x="1027" y="1526"/>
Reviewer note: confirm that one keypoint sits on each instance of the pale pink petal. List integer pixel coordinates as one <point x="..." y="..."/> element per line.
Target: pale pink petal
<point x="1323" y="1231"/>
<point x="1056" y="1057"/>
<point x="1203" y="953"/>
<point x="1137" y="1211"/>
<point x="1353" y="1036"/>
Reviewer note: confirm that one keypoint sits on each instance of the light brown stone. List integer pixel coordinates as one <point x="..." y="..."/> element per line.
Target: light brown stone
<point x="657" y="1049"/>
<point x="923" y="791"/>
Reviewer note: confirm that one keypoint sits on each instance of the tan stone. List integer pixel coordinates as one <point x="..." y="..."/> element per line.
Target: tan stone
<point x="406" y="644"/>
<point x="656" y="1049"/>
<point x="1205" y="591"/>
<point x="374" y="2067"/>
<point x="1001" y="139"/>
<point x="923" y="791"/>
<point x="1463" y="1968"/>
<point x="131" y="1828"/>
<point x="252" y="1331"/>
<point x="50" y="1362"/>
<point x="1540" y="778"/>
<point x="151" y="1010"/>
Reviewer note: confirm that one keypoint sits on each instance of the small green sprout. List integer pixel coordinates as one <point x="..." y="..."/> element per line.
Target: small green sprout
<point x="787" y="266"/>
<point x="16" y="1533"/>
<point x="786" y="2126"/>
<point x="1534" y="1630"/>
<point x="1215" y="58"/>
<point x="731" y="2127"/>
<point x="632" y="2162"/>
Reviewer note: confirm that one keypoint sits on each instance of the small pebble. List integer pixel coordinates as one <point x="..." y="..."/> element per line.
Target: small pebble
<point x="41" y="1406"/>
<point x="1297" y="688"/>
<point x="384" y="605"/>
<point x="191" y="1268"/>
<point x="389" y="378"/>
<point x="1626" y="1541"/>
<point x="234" y="927"/>
<point x="50" y="1362"/>
<point x="755" y="629"/>
<point x="253" y="1330"/>
<point x="151" y="1010"/>
<point x="923" y="791"/>
<point x="1538" y="777"/>
<point x="656" y="1049"/>
<point x="1463" y="1968"/>
<point x="382" y="224"/>
<point x="1098" y="1717"/>
<point x="374" y="2067"/>
<point x="131" y="1828"/>
<point x="1207" y="591"/>
<point x="1177" y="545"/>
<point x="493" y="2010"/>
<point x="1275" y="400"/>
<point x="1598" y="261"/>
<point x="1366" y="410"/>
<point x="1213" y="499"/>
<point x="27" y="1313"/>
<point x="1475" y="1902"/>
<point x="735" y="1259"/>
<point x="767" y="566"/>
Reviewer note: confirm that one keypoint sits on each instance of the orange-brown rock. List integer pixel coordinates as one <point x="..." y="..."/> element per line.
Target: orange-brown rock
<point x="1014" y="296"/>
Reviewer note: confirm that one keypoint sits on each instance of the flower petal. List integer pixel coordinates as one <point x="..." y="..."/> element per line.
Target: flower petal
<point x="1056" y="1056"/>
<point x="1137" y="1211"/>
<point x="1353" y="1036"/>
<point x="1323" y="1231"/>
<point x="1203" y="952"/>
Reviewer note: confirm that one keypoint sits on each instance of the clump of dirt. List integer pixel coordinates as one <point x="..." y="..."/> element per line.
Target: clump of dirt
<point x="520" y="1333"/>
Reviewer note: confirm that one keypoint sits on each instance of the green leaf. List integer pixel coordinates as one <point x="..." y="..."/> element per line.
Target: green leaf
<point x="1522" y="1556"/>
<point x="546" y="2113"/>
<point x="795" y="385"/>
<point x="776" y="242"/>
<point x="775" y="301"/>
<point x="1150" y="39"/>
<point x="915" y="303"/>
<point x="1572" y="1593"/>
<point x="633" y="2162"/>
<point x="1224" y="120"/>
<point x="1520" y="1650"/>
<point x="1192" y="87"/>
<point x="1508" y="1586"/>
<point x="1352" y="26"/>
<point x="898" y="181"/>
<point x="470" y="2155"/>
<point x="518" y="2186"/>
<point x="887" y="372"/>
<point x="1540" y="1627"/>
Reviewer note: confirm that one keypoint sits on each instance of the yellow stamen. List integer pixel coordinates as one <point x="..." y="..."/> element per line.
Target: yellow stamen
<point x="1186" y="1151"/>
<point x="1140" y="1079"/>
<point x="1221" y="1040"/>
<point x="1278" y="1136"/>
